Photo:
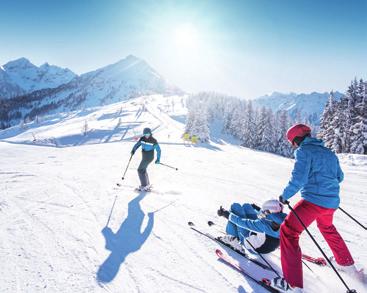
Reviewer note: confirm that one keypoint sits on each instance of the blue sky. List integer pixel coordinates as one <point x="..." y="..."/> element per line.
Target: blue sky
<point x="246" y="48"/>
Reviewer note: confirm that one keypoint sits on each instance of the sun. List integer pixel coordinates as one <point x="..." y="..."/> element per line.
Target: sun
<point x="186" y="37"/>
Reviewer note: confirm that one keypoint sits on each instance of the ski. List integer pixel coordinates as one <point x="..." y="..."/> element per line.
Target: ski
<point x="320" y="261"/>
<point x="208" y="235"/>
<point x="265" y="283"/>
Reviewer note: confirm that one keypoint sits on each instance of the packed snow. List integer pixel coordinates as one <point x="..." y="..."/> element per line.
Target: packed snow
<point x="67" y="226"/>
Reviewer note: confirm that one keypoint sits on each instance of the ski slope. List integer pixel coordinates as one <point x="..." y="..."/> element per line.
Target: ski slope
<point x="67" y="227"/>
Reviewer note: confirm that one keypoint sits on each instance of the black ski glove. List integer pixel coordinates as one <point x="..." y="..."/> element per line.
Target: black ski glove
<point x="223" y="213"/>
<point x="255" y="207"/>
<point x="282" y="200"/>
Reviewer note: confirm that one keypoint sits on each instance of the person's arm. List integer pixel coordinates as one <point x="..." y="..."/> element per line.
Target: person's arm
<point x="158" y="150"/>
<point x="252" y="225"/>
<point x="299" y="174"/>
<point x="339" y="174"/>
<point x="136" y="146"/>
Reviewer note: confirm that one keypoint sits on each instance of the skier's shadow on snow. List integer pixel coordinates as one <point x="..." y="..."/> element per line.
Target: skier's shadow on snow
<point x="126" y="240"/>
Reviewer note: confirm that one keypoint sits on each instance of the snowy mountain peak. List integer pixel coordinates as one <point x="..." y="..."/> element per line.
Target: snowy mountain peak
<point x="20" y="77"/>
<point x="45" y="65"/>
<point x="132" y="58"/>
<point x="20" y="63"/>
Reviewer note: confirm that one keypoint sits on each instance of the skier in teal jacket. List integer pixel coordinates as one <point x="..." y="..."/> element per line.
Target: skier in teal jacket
<point x="148" y="144"/>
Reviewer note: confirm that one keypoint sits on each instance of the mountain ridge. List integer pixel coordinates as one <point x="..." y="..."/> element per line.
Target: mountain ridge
<point x="127" y="78"/>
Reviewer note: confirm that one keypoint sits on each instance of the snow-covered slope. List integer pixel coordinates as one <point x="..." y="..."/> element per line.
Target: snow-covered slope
<point x="310" y="105"/>
<point x="66" y="227"/>
<point x="21" y="77"/>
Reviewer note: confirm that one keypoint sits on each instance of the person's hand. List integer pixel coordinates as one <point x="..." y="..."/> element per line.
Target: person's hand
<point x="282" y="200"/>
<point x="157" y="161"/>
<point x="223" y="212"/>
<point x="255" y="207"/>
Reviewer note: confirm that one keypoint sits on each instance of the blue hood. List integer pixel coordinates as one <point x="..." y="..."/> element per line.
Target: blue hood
<point x="312" y="141"/>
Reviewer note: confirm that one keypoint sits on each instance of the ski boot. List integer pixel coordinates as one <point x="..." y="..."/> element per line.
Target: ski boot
<point x="282" y="285"/>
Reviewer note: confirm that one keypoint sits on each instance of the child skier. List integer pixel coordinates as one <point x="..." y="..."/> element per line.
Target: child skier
<point x="148" y="144"/>
<point x="317" y="175"/>
<point x="254" y="228"/>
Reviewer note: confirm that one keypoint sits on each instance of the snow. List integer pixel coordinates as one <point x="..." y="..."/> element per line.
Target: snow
<point x="59" y="205"/>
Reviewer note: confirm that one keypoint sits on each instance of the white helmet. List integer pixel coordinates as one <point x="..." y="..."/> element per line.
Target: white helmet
<point x="272" y="206"/>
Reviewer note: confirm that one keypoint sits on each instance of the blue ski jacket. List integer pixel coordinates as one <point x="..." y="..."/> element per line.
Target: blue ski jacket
<point x="147" y="145"/>
<point x="263" y="225"/>
<point x="316" y="174"/>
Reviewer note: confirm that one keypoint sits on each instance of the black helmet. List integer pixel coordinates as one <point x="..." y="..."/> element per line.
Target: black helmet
<point x="147" y="131"/>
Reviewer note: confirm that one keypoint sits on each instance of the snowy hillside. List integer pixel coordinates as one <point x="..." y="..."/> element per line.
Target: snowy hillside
<point x="20" y="76"/>
<point x="67" y="227"/>
<point x="128" y="78"/>
<point x="306" y="105"/>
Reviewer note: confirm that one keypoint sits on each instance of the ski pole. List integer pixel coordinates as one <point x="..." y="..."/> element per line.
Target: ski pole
<point x="109" y="217"/>
<point x="318" y="246"/>
<point x="263" y="258"/>
<point x="169" y="166"/>
<point x="364" y="227"/>
<point x="211" y="223"/>
<point x="123" y="176"/>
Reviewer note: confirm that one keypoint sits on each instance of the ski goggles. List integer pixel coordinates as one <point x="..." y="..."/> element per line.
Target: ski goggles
<point x="263" y="213"/>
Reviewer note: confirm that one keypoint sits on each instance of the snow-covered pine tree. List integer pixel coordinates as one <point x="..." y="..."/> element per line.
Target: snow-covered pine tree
<point x="237" y="122"/>
<point x="282" y="146"/>
<point x="249" y="127"/>
<point x="359" y="120"/>
<point x="200" y="127"/>
<point x="269" y="134"/>
<point x="197" y="121"/>
<point x="260" y="128"/>
<point x="327" y="131"/>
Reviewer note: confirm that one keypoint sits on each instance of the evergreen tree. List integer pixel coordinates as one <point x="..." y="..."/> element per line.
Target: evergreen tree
<point x="359" y="121"/>
<point x="267" y="133"/>
<point x="249" y="127"/>
<point x="326" y="128"/>
<point x="282" y="145"/>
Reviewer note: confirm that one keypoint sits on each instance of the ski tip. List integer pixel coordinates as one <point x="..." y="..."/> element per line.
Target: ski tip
<point x="266" y="281"/>
<point x="210" y="223"/>
<point x="321" y="261"/>
<point x="118" y="184"/>
<point x="219" y="252"/>
<point x="190" y="224"/>
<point x="122" y="178"/>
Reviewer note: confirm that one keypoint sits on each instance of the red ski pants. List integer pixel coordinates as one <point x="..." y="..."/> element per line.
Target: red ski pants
<point x="291" y="229"/>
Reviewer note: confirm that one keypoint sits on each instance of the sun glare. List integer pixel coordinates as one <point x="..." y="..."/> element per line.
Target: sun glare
<point x="186" y="37"/>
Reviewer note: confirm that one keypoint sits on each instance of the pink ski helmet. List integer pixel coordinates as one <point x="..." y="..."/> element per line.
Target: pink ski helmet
<point x="297" y="130"/>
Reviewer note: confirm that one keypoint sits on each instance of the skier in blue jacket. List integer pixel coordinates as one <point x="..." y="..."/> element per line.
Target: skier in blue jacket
<point x="148" y="144"/>
<point x="317" y="175"/>
<point x="253" y="227"/>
